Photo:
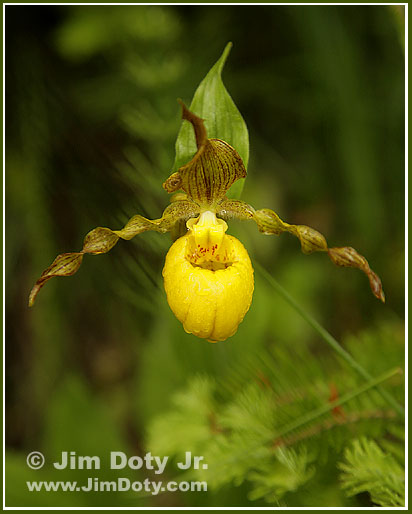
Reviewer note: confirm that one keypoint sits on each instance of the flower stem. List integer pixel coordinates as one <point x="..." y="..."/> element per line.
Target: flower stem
<point x="328" y="338"/>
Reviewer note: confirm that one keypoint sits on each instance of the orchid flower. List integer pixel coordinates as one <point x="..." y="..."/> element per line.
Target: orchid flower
<point x="208" y="275"/>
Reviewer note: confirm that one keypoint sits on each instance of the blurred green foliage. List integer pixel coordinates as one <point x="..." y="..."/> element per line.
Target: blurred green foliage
<point x="91" y="122"/>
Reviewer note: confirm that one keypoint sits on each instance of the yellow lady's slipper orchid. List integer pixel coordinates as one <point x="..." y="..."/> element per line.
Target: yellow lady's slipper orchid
<point x="208" y="279"/>
<point x="208" y="275"/>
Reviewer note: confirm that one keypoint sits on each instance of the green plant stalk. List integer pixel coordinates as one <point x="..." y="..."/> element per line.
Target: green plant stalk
<point x="328" y="338"/>
<point x="324" y="409"/>
<point x="329" y="406"/>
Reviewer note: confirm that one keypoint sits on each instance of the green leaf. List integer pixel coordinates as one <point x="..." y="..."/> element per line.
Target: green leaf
<point x="222" y="119"/>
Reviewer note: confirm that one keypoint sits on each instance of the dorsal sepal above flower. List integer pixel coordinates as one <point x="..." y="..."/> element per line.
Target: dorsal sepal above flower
<point x="211" y="172"/>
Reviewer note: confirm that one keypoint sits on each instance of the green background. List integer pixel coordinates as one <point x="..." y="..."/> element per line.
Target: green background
<point x="91" y="121"/>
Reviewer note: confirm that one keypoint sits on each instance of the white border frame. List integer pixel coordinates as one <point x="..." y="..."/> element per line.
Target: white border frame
<point x="5" y="508"/>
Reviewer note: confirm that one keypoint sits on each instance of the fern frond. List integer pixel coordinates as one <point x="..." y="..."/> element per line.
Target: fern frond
<point x="368" y="468"/>
<point x="277" y="417"/>
<point x="285" y="472"/>
<point x="189" y="426"/>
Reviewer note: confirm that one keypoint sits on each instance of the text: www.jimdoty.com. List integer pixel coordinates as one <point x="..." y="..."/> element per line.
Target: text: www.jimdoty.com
<point x="118" y="485"/>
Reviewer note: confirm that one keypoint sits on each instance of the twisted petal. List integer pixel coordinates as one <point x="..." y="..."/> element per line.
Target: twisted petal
<point x="101" y="240"/>
<point x="64" y="265"/>
<point x="348" y="256"/>
<point x="310" y="239"/>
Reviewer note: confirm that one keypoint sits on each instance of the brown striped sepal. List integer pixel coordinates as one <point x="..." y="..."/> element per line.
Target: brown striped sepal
<point x="211" y="172"/>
